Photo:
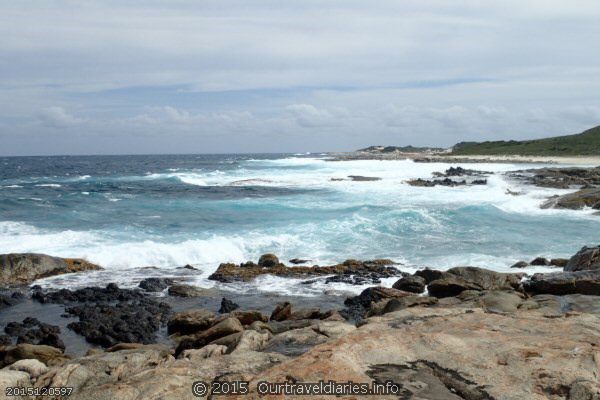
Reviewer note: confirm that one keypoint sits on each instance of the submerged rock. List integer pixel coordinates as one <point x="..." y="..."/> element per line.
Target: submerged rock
<point x="110" y="293"/>
<point x="130" y="322"/>
<point x="32" y="331"/>
<point x="23" y="268"/>
<point x="245" y="272"/>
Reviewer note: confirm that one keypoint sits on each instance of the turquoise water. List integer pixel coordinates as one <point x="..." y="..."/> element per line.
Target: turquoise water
<point x="131" y="212"/>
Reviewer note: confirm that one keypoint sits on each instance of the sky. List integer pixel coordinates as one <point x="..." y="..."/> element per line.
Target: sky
<point x="139" y="77"/>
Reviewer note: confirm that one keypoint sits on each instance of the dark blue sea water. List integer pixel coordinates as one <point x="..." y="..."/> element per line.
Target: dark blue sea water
<point x="130" y="212"/>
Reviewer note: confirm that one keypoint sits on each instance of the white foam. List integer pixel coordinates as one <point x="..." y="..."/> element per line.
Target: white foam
<point x="52" y="185"/>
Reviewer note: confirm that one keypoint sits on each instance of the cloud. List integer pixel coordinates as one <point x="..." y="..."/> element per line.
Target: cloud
<point x="421" y="72"/>
<point x="309" y="116"/>
<point x="57" y="117"/>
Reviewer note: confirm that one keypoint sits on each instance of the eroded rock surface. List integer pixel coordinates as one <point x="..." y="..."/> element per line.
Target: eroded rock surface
<point x="22" y="268"/>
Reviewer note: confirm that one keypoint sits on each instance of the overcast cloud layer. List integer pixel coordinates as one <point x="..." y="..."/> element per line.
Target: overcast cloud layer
<point x="91" y="77"/>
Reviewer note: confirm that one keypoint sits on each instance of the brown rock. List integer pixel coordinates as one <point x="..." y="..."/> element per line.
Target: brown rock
<point x="191" y="321"/>
<point x="225" y="327"/>
<point x="268" y="260"/>
<point x="22" y="268"/>
<point x="281" y="312"/>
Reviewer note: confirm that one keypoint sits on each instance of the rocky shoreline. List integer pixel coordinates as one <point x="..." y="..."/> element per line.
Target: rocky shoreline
<point x="463" y="333"/>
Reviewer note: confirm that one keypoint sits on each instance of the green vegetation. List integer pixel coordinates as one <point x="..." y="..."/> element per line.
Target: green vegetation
<point x="585" y="143"/>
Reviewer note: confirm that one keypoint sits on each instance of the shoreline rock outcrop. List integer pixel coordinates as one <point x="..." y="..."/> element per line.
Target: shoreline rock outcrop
<point x="229" y="272"/>
<point x="23" y="268"/>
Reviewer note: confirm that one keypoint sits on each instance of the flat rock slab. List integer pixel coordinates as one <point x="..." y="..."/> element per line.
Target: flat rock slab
<point x="462" y="352"/>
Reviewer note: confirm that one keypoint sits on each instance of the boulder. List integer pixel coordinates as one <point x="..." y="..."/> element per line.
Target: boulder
<point x="33" y="367"/>
<point x="281" y="312"/>
<point x="46" y="354"/>
<point x="588" y="258"/>
<point x="183" y="290"/>
<point x="413" y="284"/>
<point x="459" y="279"/>
<point x="520" y="264"/>
<point x="23" y="268"/>
<point x="430" y="275"/>
<point x="559" y="262"/>
<point x="305" y="313"/>
<point x="249" y="316"/>
<point x="155" y="284"/>
<point x="540" y="261"/>
<point x="268" y="260"/>
<point x="227" y="306"/>
<point x="223" y="328"/>
<point x="561" y="283"/>
<point x="190" y="322"/>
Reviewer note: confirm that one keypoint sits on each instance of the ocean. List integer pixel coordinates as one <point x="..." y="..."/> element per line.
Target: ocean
<point x="141" y="216"/>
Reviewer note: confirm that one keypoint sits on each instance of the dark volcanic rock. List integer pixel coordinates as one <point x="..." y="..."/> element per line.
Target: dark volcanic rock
<point x="298" y="261"/>
<point x="125" y="322"/>
<point x="589" y="197"/>
<point x="227" y="306"/>
<point x="540" y="261"/>
<point x="10" y="299"/>
<point x="89" y="294"/>
<point x="562" y="178"/>
<point x="155" y="284"/>
<point x="561" y="283"/>
<point x="268" y="260"/>
<point x="32" y="331"/>
<point x="445" y="182"/>
<point x="414" y="284"/>
<point x="358" y="306"/>
<point x="21" y="268"/>
<point x="248" y="271"/>
<point x="520" y="264"/>
<point x="588" y="258"/>
<point x="460" y="171"/>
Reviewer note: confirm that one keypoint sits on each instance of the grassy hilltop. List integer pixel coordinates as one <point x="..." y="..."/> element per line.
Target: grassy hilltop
<point x="585" y="143"/>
